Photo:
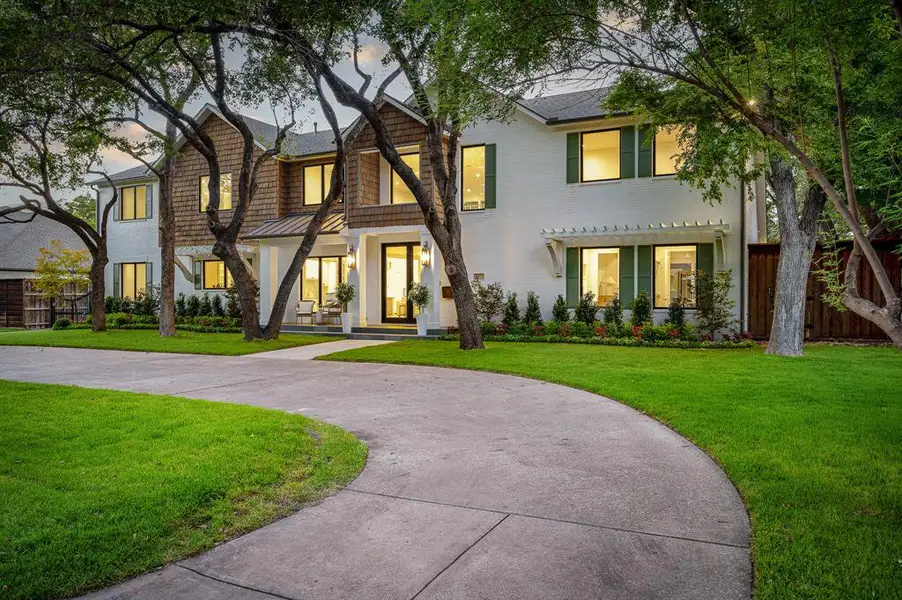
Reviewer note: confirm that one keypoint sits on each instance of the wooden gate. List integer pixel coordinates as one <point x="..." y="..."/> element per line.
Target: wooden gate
<point x="822" y="322"/>
<point x="11" y="303"/>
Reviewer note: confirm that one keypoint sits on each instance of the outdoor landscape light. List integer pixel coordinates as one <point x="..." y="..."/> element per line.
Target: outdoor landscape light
<point x="352" y="257"/>
<point x="425" y="255"/>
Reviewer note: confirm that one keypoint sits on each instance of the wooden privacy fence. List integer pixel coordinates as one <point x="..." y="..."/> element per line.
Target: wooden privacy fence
<point x="821" y="321"/>
<point x="40" y="312"/>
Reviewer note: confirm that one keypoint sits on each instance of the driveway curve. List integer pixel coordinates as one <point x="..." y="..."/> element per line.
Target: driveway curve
<point x="477" y="485"/>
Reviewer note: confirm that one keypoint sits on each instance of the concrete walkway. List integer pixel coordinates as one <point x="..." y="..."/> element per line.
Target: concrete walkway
<point x="311" y="351"/>
<point x="477" y="486"/>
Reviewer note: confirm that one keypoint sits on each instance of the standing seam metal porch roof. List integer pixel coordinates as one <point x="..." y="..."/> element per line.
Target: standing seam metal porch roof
<point x="295" y="225"/>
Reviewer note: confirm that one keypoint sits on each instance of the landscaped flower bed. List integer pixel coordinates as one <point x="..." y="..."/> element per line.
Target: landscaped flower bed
<point x="616" y="341"/>
<point x="201" y="324"/>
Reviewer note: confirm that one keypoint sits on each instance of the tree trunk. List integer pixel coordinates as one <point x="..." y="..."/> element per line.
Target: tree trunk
<point x="464" y="303"/>
<point x="167" y="253"/>
<point x="887" y="318"/>
<point x="798" y="236"/>
<point x="98" y="289"/>
<point x="246" y="287"/>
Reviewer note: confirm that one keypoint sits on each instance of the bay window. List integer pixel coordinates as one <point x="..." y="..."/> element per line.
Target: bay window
<point x="674" y="274"/>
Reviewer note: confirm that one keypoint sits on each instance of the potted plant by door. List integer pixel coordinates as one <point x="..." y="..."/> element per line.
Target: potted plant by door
<point x="419" y="295"/>
<point x="344" y="293"/>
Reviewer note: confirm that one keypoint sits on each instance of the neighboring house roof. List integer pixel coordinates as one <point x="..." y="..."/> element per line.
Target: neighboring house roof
<point x="294" y="225"/>
<point x="19" y="242"/>
<point x="571" y="106"/>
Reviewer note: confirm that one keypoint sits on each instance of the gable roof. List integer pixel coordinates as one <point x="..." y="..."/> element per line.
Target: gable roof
<point x="570" y="106"/>
<point x="19" y="242"/>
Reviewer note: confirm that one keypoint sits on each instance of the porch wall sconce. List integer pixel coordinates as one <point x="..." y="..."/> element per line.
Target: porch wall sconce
<point x="352" y="257"/>
<point x="425" y="255"/>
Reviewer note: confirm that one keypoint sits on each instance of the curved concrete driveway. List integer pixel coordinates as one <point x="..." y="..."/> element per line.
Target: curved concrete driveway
<point x="477" y="486"/>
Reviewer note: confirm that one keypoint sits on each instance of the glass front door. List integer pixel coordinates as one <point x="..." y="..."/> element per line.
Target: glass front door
<point x="400" y="267"/>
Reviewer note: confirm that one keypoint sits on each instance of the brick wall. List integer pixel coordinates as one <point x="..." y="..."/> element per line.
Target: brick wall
<point x="191" y="224"/>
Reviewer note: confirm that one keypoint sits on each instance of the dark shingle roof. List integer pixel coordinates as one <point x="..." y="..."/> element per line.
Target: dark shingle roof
<point x="19" y="242"/>
<point x="139" y="172"/>
<point x="293" y="225"/>
<point x="572" y="106"/>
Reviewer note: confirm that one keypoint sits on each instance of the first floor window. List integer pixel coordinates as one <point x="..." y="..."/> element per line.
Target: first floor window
<point x="600" y="155"/>
<point x="601" y="273"/>
<point x="321" y="276"/>
<point x="132" y="279"/>
<point x="133" y="203"/>
<point x="400" y="193"/>
<point x="317" y="183"/>
<point x="472" y="177"/>
<point x="674" y="276"/>
<point x="667" y="151"/>
<point x="216" y="276"/>
<point x="225" y="192"/>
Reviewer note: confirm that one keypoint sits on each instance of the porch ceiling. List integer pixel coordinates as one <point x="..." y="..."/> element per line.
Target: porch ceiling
<point x="295" y="225"/>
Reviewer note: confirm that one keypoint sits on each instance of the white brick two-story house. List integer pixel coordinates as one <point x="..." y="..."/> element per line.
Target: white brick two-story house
<point x="561" y="198"/>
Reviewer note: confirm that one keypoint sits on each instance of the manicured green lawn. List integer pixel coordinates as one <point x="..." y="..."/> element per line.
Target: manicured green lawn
<point x="813" y="444"/>
<point x="97" y="486"/>
<point x="145" y="340"/>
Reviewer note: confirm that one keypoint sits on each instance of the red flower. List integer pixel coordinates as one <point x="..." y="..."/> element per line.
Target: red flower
<point x="636" y="331"/>
<point x="601" y="331"/>
<point x="674" y="333"/>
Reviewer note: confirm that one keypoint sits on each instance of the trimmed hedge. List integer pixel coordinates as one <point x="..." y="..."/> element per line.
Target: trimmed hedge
<point x="195" y="324"/>
<point x="614" y="341"/>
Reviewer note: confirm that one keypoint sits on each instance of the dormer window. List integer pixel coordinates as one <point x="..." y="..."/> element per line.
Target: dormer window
<point x="225" y="192"/>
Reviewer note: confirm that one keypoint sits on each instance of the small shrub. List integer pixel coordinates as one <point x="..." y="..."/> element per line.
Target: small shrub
<point x="122" y="319"/>
<point x="655" y="333"/>
<point x="676" y="313"/>
<point x="511" y="310"/>
<point x="63" y="323"/>
<point x="487" y="328"/>
<point x="488" y="299"/>
<point x="565" y="329"/>
<point x="193" y="306"/>
<point x="112" y="304"/>
<point x="533" y="311"/>
<point x="714" y="307"/>
<point x="520" y="328"/>
<point x="216" y="306"/>
<point x="581" y="329"/>
<point x="601" y="331"/>
<point x="636" y="331"/>
<point x="613" y="313"/>
<point x="586" y="308"/>
<point x="538" y="329"/>
<point x="233" y="305"/>
<point x="560" y="312"/>
<point x="641" y="309"/>
<point x="148" y="301"/>
<point x="181" y="306"/>
<point x="206" y="307"/>
<point x="502" y="329"/>
<point x="126" y="305"/>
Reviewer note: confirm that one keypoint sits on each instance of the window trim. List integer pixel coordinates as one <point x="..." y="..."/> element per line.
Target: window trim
<point x="134" y="201"/>
<point x="134" y="296"/>
<point x="203" y="275"/>
<point x="581" y="248"/>
<point x="654" y="249"/>
<point x="461" y="184"/>
<point x="391" y="187"/>
<point x="200" y="186"/>
<point x="322" y="183"/>
<point x="654" y="159"/>
<point x="620" y="148"/>
<point x="319" y="287"/>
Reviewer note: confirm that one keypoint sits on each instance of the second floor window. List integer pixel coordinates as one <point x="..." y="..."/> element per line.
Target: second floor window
<point x="225" y="192"/>
<point x="667" y="151"/>
<point x="133" y="203"/>
<point x="317" y="183"/>
<point x="600" y="155"/>
<point x="400" y="193"/>
<point x="472" y="177"/>
<point x="216" y="276"/>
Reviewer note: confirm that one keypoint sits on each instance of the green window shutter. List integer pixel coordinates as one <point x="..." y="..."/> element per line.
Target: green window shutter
<point x="627" y="152"/>
<point x="645" y="264"/>
<point x="198" y="273"/>
<point x="490" y="169"/>
<point x="627" y="277"/>
<point x="573" y="157"/>
<point x="572" y="276"/>
<point x="117" y="268"/>
<point x="148" y="194"/>
<point x="645" y="149"/>
<point x="705" y="258"/>
<point x="148" y="271"/>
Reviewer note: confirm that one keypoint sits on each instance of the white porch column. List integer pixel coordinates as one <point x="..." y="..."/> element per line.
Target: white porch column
<point x="269" y="266"/>
<point x="357" y="278"/>
<point x="431" y="276"/>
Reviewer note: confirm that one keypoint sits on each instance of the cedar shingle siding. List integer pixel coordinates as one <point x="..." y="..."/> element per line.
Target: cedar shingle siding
<point x="192" y="227"/>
